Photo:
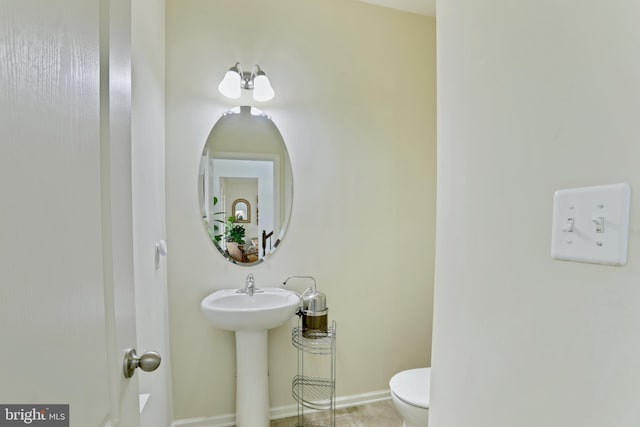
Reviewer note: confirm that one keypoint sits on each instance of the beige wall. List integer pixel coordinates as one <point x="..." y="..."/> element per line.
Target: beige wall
<point x="532" y="98"/>
<point x="355" y="102"/>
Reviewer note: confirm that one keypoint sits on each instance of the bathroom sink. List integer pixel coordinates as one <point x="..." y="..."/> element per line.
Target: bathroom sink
<point x="251" y="316"/>
<point x="267" y="308"/>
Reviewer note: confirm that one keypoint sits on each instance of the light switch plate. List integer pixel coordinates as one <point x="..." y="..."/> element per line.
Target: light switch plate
<point x="591" y="224"/>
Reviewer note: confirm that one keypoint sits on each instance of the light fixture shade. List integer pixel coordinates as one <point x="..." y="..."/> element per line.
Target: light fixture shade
<point x="230" y="85"/>
<point x="262" y="90"/>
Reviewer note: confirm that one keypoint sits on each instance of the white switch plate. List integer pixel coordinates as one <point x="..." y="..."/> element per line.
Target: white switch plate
<point x="591" y="224"/>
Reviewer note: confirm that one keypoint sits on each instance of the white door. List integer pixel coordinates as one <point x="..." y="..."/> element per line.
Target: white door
<point x="67" y="311"/>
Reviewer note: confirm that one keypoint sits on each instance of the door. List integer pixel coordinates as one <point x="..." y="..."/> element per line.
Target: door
<point x="66" y="278"/>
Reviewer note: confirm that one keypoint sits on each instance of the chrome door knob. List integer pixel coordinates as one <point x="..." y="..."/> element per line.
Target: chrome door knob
<point x="148" y="362"/>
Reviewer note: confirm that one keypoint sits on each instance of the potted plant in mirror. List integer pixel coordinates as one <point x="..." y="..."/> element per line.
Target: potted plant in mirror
<point x="232" y="232"/>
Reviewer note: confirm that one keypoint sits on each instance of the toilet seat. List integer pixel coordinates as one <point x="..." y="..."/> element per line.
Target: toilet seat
<point x="412" y="386"/>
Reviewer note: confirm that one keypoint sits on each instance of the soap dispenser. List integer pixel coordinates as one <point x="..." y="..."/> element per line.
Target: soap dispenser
<point x="313" y="310"/>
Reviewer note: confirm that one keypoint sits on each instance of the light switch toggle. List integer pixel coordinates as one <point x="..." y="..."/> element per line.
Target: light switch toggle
<point x="599" y="222"/>
<point x="591" y="224"/>
<point x="569" y="227"/>
<point x="161" y="250"/>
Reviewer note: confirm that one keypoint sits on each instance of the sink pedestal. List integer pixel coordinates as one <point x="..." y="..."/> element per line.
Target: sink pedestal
<point x="252" y="384"/>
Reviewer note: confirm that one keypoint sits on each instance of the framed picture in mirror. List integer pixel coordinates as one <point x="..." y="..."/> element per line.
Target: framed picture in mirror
<point x="241" y="210"/>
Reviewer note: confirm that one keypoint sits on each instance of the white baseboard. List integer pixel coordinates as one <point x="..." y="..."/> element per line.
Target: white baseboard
<point x="219" y="421"/>
<point x="361" y="399"/>
<point x="284" y="411"/>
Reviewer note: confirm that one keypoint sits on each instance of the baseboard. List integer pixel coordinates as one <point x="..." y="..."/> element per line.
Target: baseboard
<point x="219" y="421"/>
<point x="284" y="411"/>
<point x="361" y="399"/>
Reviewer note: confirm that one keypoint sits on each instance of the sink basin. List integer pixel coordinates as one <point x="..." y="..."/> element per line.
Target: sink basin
<point x="265" y="309"/>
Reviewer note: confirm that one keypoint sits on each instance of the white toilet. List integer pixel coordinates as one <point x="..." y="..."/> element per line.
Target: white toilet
<point x="410" y="394"/>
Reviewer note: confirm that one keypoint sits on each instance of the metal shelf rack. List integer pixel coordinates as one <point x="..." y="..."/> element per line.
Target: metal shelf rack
<point x="317" y="393"/>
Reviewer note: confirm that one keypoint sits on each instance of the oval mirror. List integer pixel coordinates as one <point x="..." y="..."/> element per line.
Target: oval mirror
<point x="245" y="186"/>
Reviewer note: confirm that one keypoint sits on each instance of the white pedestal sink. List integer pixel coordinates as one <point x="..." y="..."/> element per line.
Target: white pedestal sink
<point x="251" y="316"/>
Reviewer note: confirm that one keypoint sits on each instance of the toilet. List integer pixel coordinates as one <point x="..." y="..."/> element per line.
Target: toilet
<point x="410" y="395"/>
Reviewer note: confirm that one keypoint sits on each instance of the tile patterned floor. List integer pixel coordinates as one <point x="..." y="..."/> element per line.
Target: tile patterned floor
<point x="379" y="414"/>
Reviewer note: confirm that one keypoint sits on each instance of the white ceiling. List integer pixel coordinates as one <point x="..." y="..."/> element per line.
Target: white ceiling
<point x="423" y="7"/>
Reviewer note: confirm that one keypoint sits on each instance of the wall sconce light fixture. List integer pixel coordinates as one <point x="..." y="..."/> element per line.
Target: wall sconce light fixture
<point x="235" y="80"/>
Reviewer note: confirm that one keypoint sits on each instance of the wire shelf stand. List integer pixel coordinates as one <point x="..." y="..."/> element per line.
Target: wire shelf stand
<point x="317" y="393"/>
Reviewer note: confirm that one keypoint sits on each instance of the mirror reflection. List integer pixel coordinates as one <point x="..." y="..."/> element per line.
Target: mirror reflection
<point x="245" y="186"/>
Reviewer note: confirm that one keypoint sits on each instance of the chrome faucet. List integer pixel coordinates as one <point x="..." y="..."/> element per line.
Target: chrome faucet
<point x="249" y="287"/>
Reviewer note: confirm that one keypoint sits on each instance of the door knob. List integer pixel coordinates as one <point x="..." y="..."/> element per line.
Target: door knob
<point x="148" y="362"/>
